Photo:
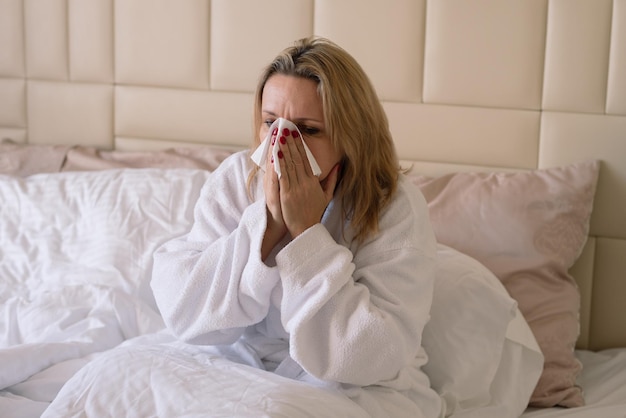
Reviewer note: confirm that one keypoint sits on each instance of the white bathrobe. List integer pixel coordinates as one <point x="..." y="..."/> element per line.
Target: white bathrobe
<point x="321" y="308"/>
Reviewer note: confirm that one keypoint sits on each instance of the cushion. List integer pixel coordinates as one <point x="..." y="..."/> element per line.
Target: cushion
<point x="82" y="158"/>
<point x="528" y="228"/>
<point x="481" y="351"/>
<point x="23" y="160"/>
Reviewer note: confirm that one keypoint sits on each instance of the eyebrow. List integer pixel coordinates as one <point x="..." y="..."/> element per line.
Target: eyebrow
<point x="297" y="120"/>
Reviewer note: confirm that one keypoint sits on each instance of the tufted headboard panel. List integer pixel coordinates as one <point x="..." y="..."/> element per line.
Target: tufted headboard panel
<point x="467" y="85"/>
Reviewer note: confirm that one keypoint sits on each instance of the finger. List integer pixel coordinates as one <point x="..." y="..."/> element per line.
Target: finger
<point x="271" y="188"/>
<point x="269" y="164"/>
<point x="272" y="141"/>
<point x="289" y="156"/>
<point x="303" y="160"/>
<point x="270" y="179"/>
<point x="284" y="179"/>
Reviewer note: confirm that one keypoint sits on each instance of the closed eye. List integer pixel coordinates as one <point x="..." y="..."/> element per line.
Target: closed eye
<point x="309" y="130"/>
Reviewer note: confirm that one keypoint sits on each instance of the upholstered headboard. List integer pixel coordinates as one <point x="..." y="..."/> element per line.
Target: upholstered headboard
<point x="467" y="85"/>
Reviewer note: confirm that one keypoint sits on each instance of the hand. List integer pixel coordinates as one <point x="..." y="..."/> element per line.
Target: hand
<point x="275" y="228"/>
<point x="303" y="198"/>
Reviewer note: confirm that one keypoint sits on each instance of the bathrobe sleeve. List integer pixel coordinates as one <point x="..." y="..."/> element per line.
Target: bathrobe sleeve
<point x="211" y="283"/>
<point x="357" y="316"/>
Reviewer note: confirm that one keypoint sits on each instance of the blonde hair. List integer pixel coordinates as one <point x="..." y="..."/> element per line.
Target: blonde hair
<point x="356" y="124"/>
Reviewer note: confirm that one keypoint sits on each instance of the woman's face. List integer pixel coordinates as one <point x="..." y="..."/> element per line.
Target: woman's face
<point x="296" y="99"/>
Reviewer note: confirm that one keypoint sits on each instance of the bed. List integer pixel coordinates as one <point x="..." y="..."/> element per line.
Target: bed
<point x="510" y="117"/>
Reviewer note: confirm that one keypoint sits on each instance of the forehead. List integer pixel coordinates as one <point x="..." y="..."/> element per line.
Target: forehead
<point x="283" y="92"/>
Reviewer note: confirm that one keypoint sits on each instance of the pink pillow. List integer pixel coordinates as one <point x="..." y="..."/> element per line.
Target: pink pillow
<point x="81" y="158"/>
<point x="23" y="160"/>
<point x="528" y="228"/>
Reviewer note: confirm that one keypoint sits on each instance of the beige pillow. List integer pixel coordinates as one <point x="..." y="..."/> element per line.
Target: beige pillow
<point x="81" y="158"/>
<point x="23" y="160"/>
<point x="528" y="228"/>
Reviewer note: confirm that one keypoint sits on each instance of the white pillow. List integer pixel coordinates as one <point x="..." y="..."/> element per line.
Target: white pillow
<point x="97" y="228"/>
<point x="76" y="251"/>
<point x="481" y="350"/>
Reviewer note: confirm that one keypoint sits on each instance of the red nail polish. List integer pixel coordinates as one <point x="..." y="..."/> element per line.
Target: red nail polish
<point x="286" y="131"/>
<point x="275" y="131"/>
<point x="272" y="160"/>
<point x="273" y="140"/>
<point x="294" y="134"/>
<point x="280" y="154"/>
<point x="283" y="140"/>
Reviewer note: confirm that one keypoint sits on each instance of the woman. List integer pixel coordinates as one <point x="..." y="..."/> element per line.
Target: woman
<point x="322" y="279"/>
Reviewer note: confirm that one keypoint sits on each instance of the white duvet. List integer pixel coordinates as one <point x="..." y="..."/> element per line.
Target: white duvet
<point x="153" y="376"/>
<point x="75" y="264"/>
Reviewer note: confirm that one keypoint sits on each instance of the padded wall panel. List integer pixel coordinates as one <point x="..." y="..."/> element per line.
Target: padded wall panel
<point x="14" y="135"/>
<point x="435" y="169"/>
<point x="607" y="328"/>
<point x="392" y="54"/>
<point x="11" y="39"/>
<point x="162" y="43"/>
<point x="274" y="24"/>
<point x="569" y="137"/>
<point x="485" y="52"/>
<point x="12" y="105"/>
<point x="46" y="39"/>
<point x="582" y="271"/>
<point x="70" y="113"/>
<point x="577" y="55"/>
<point x="184" y="115"/>
<point x="616" y="96"/>
<point x="123" y="143"/>
<point x="91" y="40"/>
<point x="465" y="135"/>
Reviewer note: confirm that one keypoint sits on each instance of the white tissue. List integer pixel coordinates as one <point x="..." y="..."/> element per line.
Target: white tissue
<point x="259" y="156"/>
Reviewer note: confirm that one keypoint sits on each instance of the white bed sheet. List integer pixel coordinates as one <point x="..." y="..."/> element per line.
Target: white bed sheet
<point x="603" y="379"/>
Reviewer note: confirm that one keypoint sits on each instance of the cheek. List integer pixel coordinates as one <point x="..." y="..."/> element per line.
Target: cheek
<point x="326" y="158"/>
